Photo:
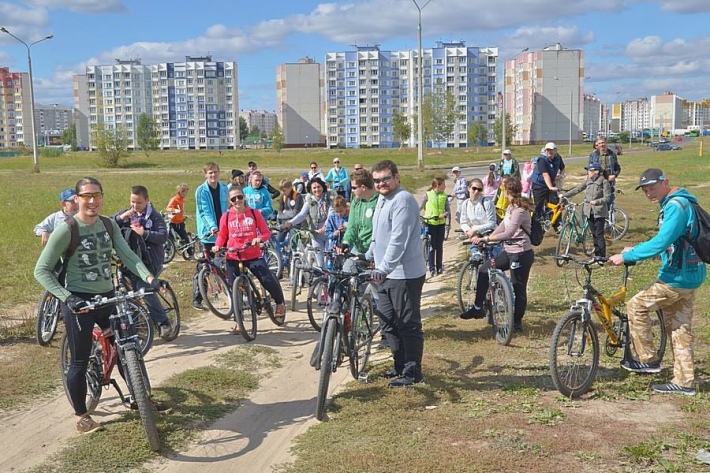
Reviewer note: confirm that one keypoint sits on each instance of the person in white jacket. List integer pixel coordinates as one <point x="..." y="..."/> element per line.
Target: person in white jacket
<point x="478" y="215"/>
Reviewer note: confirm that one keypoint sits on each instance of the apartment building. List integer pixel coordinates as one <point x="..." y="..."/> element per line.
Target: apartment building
<point x="261" y="119"/>
<point x="15" y="109"/>
<point x="299" y="103"/>
<point x="364" y="88"/>
<point x="51" y="120"/>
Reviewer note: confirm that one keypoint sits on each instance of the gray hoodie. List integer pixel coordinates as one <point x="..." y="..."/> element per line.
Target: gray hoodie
<point x="396" y="244"/>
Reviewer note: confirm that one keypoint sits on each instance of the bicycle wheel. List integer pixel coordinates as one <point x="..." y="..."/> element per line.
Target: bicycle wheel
<point x="47" y="318"/>
<point x="466" y="287"/>
<point x="168" y="251"/>
<point x="273" y="261"/>
<point x="244" y="309"/>
<point x="188" y="248"/>
<point x="502" y="308"/>
<point x="426" y="247"/>
<point x="94" y="373"/>
<point x="617" y="224"/>
<point x="215" y="293"/>
<point x="574" y="355"/>
<point x="564" y="241"/>
<point x="588" y="241"/>
<point x="270" y="307"/>
<point x="326" y="365"/>
<point x="658" y="332"/>
<point x="317" y="302"/>
<point x="136" y="380"/>
<point x="143" y="325"/>
<point x="361" y="333"/>
<point x="170" y="304"/>
<point x="295" y="277"/>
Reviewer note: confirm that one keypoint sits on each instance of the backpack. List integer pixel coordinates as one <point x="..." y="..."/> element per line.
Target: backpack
<point x="701" y="243"/>
<point x="61" y="269"/>
<point x="536" y="231"/>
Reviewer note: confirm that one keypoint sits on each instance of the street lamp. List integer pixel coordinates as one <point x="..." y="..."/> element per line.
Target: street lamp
<point x="420" y="87"/>
<point x="503" y="121"/>
<point x="35" y="157"/>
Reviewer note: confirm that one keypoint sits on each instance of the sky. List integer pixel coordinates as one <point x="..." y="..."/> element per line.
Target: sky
<point x="633" y="48"/>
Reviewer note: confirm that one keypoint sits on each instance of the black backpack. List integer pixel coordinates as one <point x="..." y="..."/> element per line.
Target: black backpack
<point x="61" y="269"/>
<point x="701" y="243"/>
<point x="536" y="231"/>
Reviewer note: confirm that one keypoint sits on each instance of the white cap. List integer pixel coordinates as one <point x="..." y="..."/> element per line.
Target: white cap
<point x="336" y="160"/>
<point x="550" y="145"/>
<point x="507" y="151"/>
<point x="456" y="169"/>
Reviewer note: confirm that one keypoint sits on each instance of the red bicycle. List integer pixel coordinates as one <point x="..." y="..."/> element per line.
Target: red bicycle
<point x="118" y="344"/>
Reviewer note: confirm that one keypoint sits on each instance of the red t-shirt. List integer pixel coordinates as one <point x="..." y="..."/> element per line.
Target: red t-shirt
<point x="236" y="230"/>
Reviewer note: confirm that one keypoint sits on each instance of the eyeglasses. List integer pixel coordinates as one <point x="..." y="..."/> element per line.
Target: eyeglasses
<point x="237" y="197"/>
<point x="474" y="188"/>
<point x="383" y="179"/>
<point x="358" y="169"/>
<point x="336" y="162"/>
<point x="91" y="195"/>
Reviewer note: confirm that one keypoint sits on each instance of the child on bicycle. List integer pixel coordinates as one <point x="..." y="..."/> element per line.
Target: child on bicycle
<point x="478" y="216"/>
<point x="176" y="207"/>
<point x="240" y="226"/>
<point x="436" y="208"/>
<point x="597" y="193"/>
<point x="337" y="221"/>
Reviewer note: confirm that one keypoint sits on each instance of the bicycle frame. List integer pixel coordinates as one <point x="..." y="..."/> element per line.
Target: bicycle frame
<point x="578" y="229"/>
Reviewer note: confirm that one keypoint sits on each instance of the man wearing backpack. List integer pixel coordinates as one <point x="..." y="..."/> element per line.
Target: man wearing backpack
<point x="544" y="177"/>
<point x="682" y="272"/>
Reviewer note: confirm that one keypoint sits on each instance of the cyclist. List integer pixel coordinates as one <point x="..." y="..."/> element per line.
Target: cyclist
<point x="144" y="230"/>
<point x="315" y="172"/>
<point x="176" y="206"/>
<point x="435" y="203"/>
<point x="237" y="178"/>
<point x="338" y="179"/>
<point x="679" y="277"/>
<point x="337" y="222"/>
<point x="460" y="191"/>
<point x="517" y="254"/>
<point x="82" y="282"/>
<point x="478" y="216"/>
<point x="544" y="178"/>
<point x="239" y="226"/>
<point x="258" y="196"/>
<point x="609" y="163"/>
<point x="68" y="208"/>
<point x="290" y="203"/>
<point x="509" y="165"/>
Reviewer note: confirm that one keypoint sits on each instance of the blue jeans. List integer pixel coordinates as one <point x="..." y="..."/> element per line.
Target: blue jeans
<point x="152" y="302"/>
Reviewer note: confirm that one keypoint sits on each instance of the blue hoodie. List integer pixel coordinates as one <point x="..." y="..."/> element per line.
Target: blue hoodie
<point x="259" y="199"/>
<point x="680" y="266"/>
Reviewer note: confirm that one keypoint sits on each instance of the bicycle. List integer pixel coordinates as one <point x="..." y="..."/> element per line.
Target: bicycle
<point x="212" y="283"/>
<point x="500" y="300"/>
<point x="271" y="256"/>
<point x="48" y="315"/>
<point x="249" y="300"/>
<point x="105" y="354"/>
<point x="318" y="294"/>
<point x="302" y="255"/>
<point x="425" y="236"/>
<point x="175" y="244"/>
<point x="447" y="228"/>
<point x="617" y="221"/>
<point x="575" y="335"/>
<point x="575" y="229"/>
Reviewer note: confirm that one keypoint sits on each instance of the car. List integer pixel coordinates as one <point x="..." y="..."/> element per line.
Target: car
<point x="667" y="147"/>
<point x="618" y="150"/>
<point x="677" y="138"/>
<point x="663" y="140"/>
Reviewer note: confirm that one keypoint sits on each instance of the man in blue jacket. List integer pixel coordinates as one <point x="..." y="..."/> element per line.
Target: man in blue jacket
<point x="680" y="276"/>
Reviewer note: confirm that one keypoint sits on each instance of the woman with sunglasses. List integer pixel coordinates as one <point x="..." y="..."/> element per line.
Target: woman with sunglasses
<point x="339" y="179"/>
<point x="478" y="215"/>
<point x="239" y="226"/>
<point x="290" y="204"/>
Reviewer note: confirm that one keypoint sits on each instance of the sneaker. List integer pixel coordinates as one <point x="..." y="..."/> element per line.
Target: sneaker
<point x="391" y="373"/>
<point x="472" y="313"/>
<point x="405" y="381"/>
<point x="197" y="305"/>
<point x="159" y="406"/>
<point x="432" y="274"/>
<point x="672" y="388"/>
<point x="280" y="311"/>
<point x="638" y="367"/>
<point x="87" y="425"/>
<point x="517" y="328"/>
<point x="439" y="272"/>
<point x="165" y="330"/>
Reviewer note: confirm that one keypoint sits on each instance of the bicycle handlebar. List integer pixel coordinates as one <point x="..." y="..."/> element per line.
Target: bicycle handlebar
<point x="100" y="301"/>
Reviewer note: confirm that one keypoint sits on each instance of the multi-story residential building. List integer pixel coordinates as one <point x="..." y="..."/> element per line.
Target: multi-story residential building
<point x="635" y="116"/>
<point x="299" y="103"/>
<point x="81" y="111"/>
<point x="263" y="120"/>
<point x="667" y="112"/>
<point x="544" y="94"/>
<point x="51" y="121"/>
<point x="592" y="114"/>
<point x="365" y="88"/>
<point x="15" y="109"/>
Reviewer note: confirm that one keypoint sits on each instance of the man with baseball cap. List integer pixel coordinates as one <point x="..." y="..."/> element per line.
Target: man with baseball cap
<point x="548" y="166"/>
<point x="68" y="208"/>
<point x="509" y="165"/>
<point x="679" y="277"/>
<point x="460" y="190"/>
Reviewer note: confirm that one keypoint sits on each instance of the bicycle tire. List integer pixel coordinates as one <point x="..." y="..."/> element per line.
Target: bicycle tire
<point x="188" y="249"/>
<point x="466" y="286"/>
<point x="143" y="324"/>
<point x="168" y="251"/>
<point x="215" y="293"/>
<point x="172" y="309"/>
<point x="658" y="331"/>
<point x="47" y="318"/>
<point x="295" y="277"/>
<point x="138" y="386"/>
<point x="317" y="302"/>
<point x="502" y="309"/>
<point x="564" y="241"/>
<point x="270" y="308"/>
<point x="273" y="261"/>
<point x="94" y="373"/>
<point x="326" y="365"/>
<point x="588" y="241"/>
<point x="571" y="374"/>
<point x="620" y="226"/>
<point x="361" y="333"/>
<point x="426" y="248"/>
<point x="244" y="308"/>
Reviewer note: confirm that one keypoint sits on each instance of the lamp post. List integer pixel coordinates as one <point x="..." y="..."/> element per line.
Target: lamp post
<point x="35" y="157"/>
<point x="503" y="121"/>
<point x="420" y="87"/>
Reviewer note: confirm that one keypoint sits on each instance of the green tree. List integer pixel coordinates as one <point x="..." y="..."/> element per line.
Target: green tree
<point x="277" y="138"/>
<point x="401" y="129"/>
<point x="510" y="131"/>
<point x="254" y="132"/>
<point x="439" y="116"/>
<point x="243" y="129"/>
<point x="69" y="137"/>
<point x="477" y="134"/>
<point x="147" y="134"/>
<point x="624" y="136"/>
<point x="111" y="144"/>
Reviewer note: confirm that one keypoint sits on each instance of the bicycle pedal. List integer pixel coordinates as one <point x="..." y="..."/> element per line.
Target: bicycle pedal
<point x="363" y="378"/>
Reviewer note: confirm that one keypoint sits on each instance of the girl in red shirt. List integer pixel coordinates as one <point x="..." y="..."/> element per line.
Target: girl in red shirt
<point x="239" y="226"/>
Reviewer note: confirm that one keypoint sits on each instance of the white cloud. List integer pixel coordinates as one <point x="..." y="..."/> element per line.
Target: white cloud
<point x="686" y="6"/>
<point x="536" y="38"/>
<point x="83" y="6"/>
<point x="20" y="19"/>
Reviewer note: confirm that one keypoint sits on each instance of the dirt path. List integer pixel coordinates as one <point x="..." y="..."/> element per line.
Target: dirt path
<point x="256" y="437"/>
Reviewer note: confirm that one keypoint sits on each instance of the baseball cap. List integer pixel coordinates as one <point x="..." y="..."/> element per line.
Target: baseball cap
<point x="304" y="174"/>
<point x="336" y="160"/>
<point x="650" y="176"/>
<point x="507" y="151"/>
<point x="596" y="166"/>
<point x="66" y="195"/>
<point x="550" y="145"/>
<point x="237" y="173"/>
<point x="456" y="169"/>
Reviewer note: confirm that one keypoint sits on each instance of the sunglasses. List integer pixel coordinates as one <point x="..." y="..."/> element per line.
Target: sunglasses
<point x="383" y="179"/>
<point x="358" y="169"/>
<point x="237" y="197"/>
<point x="91" y="195"/>
<point x="474" y="188"/>
<point x="314" y="167"/>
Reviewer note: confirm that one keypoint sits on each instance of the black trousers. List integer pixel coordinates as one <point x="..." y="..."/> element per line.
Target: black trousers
<point x="260" y="269"/>
<point x="519" y="265"/>
<point x="399" y="308"/>
<point x="541" y="195"/>
<point x="436" y="252"/>
<point x="597" y="225"/>
<point x="196" y="296"/>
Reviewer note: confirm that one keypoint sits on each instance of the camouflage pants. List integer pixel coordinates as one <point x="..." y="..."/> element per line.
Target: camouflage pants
<point x="677" y="307"/>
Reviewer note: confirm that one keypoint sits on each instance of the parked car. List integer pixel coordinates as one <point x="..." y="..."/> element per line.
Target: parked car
<point x="677" y="138"/>
<point x="667" y="147"/>
<point x="618" y="150"/>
